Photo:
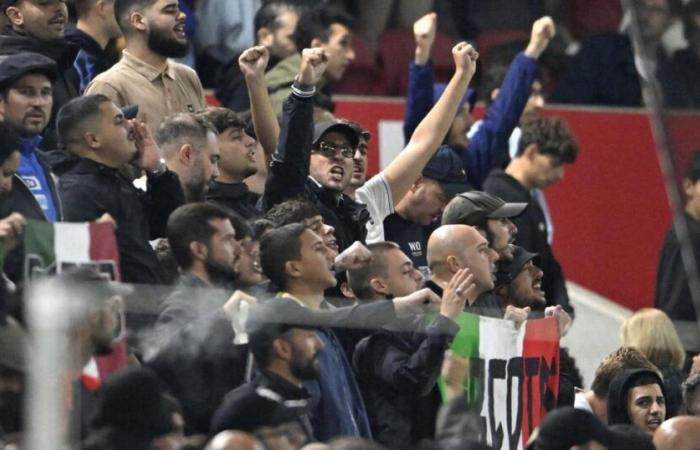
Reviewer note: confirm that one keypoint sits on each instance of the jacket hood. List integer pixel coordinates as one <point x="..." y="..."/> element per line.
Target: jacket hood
<point x="619" y="388"/>
<point x="61" y="51"/>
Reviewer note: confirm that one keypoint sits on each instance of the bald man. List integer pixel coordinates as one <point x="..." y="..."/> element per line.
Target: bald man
<point x="679" y="433"/>
<point x="234" y="440"/>
<point x="454" y="247"/>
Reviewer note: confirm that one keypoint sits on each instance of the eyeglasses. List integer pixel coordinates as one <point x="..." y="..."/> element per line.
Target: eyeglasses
<point x="329" y="150"/>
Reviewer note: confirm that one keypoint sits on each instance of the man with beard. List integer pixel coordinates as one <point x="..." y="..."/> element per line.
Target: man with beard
<point x="26" y="93"/>
<point x="190" y="148"/>
<point x="519" y="281"/>
<point x="39" y="26"/>
<point x="203" y="242"/>
<point x="237" y="162"/>
<point x="286" y="348"/>
<point x="154" y="31"/>
<point x="359" y="160"/>
<point x="92" y="330"/>
<point x="95" y="131"/>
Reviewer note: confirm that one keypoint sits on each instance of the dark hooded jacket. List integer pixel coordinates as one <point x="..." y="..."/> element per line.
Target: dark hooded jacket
<point x="64" y="53"/>
<point x="620" y="387"/>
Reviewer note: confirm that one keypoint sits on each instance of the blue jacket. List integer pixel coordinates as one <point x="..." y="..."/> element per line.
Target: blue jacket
<point x="488" y="148"/>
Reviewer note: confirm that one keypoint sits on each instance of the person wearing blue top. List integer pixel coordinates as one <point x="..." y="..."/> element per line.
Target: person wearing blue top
<point x="488" y="146"/>
<point x="26" y="89"/>
<point x="299" y="262"/>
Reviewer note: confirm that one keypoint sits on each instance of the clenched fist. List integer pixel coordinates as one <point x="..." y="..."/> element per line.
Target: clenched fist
<point x="465" y="57"/>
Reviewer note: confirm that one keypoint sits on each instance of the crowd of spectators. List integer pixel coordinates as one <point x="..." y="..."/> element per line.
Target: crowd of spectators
<point x="266" y="291"/>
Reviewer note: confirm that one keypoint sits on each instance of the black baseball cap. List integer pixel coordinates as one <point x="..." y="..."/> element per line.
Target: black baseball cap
<point x="446" y="168"/>
<point x="469" y="208"/>
<point x="508" y="270"/>
<point x="339" y="126"/>
<point x="565" y="427"/>
<point x="6" y="4"/>
<point x="13" y="67"/>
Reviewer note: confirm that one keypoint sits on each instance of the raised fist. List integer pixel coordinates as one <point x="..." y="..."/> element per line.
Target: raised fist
<point x="543" y="30"/>
<point x="253" y="61"/>
<point x="313" y="64"/>
<point x="465" y="57"/>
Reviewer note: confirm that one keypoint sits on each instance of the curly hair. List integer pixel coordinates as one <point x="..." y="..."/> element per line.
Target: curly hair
<point x="552" y="136"/>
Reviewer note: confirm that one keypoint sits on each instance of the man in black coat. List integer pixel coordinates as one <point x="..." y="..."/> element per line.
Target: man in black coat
<point x="102" y="140"/>
<point x="545" y="147"/>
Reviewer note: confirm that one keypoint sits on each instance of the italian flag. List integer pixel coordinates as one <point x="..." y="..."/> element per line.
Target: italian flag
<point x="50" y="248"/>
<point x="514" y="375"/>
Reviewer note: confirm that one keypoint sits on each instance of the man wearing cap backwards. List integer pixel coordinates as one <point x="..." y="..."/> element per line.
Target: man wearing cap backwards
<point x="300" y="264"/>
<point x="545" y="147"/>
<point x="154" y="32"/>
<point x="27" y="95"/>
<point x="286" y="349"/>
<point x="39" y="26"/>
<point x="94" y="130"/>
<point x="637" y="397"/>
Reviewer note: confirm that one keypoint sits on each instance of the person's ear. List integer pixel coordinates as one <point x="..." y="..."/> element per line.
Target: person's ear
<point x="265" y="37"/>
<point x="293" y="269"/>
<point x="92" y="140"/>
<point x="416" y="185"/>
<point x="15" y="15"/>
<point x="185" y="154"/>
<point x="453" y="264"/>
<point x="316" y="42"/>
<point x="199" y="251"/>
<point x="379" y="286"/>
<point x="531" y="151"/>
<point x="688" y="187"/>
<point x="138" y="21"/>
<point x="347" y="292"/>
<point x="282" y="349"/>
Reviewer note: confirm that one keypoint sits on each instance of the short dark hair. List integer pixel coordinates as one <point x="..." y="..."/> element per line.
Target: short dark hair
<point x="292" y="211"/>
<point x="316" y="23"/>
<point x="268" y="16"/>
<point x="243" y="229"/>
<point x="277" y="247"/>
<point x="124" y="8"/>
<point x="72" y="117"/>
<point x="182" y="127"/>
<point x="358" y="279"/>
<point x="222" y="118"/>
<point x="82" y="7"/>
<point x="9" y="142"/>
<point x="552" y="137"/>
<point x="692" y="171"/>
<point x="190" y="223"/>
<point x="614" y="364"/>
<point x="261" y="226"/>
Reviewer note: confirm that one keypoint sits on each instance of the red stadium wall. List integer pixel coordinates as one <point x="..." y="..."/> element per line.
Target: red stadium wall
<point x="610" y="211"/>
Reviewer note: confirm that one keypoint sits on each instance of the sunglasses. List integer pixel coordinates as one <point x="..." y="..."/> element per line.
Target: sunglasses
<point x="329" y="150"/>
